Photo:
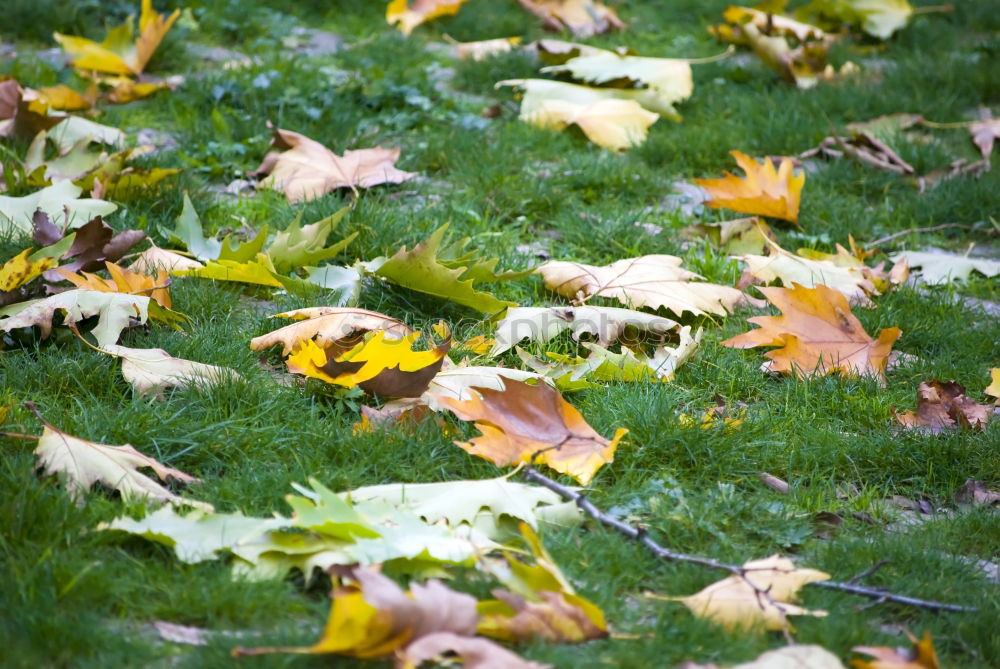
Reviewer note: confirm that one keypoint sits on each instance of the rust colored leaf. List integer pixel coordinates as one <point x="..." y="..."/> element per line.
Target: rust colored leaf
<point x="525" y="423"/>
<point x="942" y="406"/>
<point x="764" y="190"/>
<point x="818" y="335"/>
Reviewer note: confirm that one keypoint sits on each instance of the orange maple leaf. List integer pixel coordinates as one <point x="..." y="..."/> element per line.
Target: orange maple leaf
<point x="525" y="423"/>
<point x="818" y="334"/>
<point x="124" y="281"/>
<point x="764" y="191"/>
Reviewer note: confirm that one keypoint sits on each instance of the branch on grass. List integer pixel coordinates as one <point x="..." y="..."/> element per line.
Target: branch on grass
<point x="933" y="228"/>
<point x="640" y="535"/>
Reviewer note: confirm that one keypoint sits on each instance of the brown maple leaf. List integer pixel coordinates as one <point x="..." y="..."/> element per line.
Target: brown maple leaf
<point x="525" y="423"/>
<point x="944" y="405"/>
<point x="817" y="334"/>
<point x="304" y="169"/>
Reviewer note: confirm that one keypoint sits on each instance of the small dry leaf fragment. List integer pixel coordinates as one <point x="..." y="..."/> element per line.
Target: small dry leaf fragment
<point x="303" y="169"/>
<point x="763" y="191"/>
<point x="408" y="14"/>
<point x="773" y="482"/>
<point x="760" y="597"/>
<point x="818" y="335"/>
<point x="652" y="281"/>
<point x="151" y="370"/>
<point x="920" y="656"/>
<point x="976" y="493"/>
<point x="381" y="365"/>
<point x="329" y="327"/>
<point x="944" y="405"/>
<point x="81" y="463"/>
<point x="583" y="18"/>
<point x="524" y="424"/>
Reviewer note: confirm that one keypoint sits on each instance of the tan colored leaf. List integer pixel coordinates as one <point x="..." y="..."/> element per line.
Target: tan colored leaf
<point x="328" y="327"/>
<point x="758" y="598"/>
<point x="763" y="191"/>
<point x="993" y="389"/>
<point x="475" y="653"/>
<point x="984" y="134"/>
<point x="818" y="334"/>
<point x="408" y="14"/>
<point x="652" y="281"/>
<point x="305" y="169"/>
<point x="484" y="49"/>
<point x="738" y="236"/>
<point x="154" y="259"/>
<point x="151" y="370"/>
<point x="81" y="463"/>
<point x="976" y="493"/>
<point x="921" y="656"/>
<point x="524" y="424"/>
<point x="116" y="312"/>
<point x="796" y="656"/>
<point x="583" y="18"/>
<point x="944" y="405"/>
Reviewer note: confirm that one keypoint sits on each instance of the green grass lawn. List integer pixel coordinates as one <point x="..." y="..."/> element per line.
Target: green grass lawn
<point x="73" y="597"/>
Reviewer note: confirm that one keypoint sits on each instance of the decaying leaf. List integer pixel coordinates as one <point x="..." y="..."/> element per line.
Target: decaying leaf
<point x="609" y="117"/>
<point x="88" y="248"/>
<point x="116" y="311"/>
<point x="920" y="656"/>
<point x="61" y="202"/>
<point x="870" y="143"/>
<point x="408" y="14"/>
<point x="525" y="423"/>
<point x="818" y="335"/>
<point x="608" y="324"/>
<point x="457" y="382"/>
<point x="759" y="598"/>
<point x="381" y="364"/>
<point x="303" y="169"/>
<point x="21" y="269"/>
<point x="81" y="463"/>
<point x="652" y="281"/>
<point x="427" y="268"/>
<point x="583" y="18"/>
<point x="151" y="370"/>
<point x="329" y="327"/>
<point x="764" y="191"/>
<point x="944" y="405"/>
<point x="984" y="135"/>
<point x="118" y="54"/>
<point x="940" y="267"/>
<point x="663" y="82"/>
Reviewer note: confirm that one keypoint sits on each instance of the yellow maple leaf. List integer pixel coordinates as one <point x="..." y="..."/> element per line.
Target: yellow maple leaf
<point x="409" y="16"/>
<point x="124" y="281"/>
<point x="764" y="191"/>
<point x="118" y="53"/>
<point x="19" y="270"/>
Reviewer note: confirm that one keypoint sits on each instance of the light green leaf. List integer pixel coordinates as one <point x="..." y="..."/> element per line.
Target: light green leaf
<point x="939" y="267"/>
<point x="259" y="271"/>
<point x="189" y="232"/>
<point x="61" y="202"/>
<point x="321" y="510"/>
<point x="421" y="270"/>
<point x="344" y="282"/>
<point x="74" y="129"/>
<point x="298" y="246"/>
<point x="243" y="252"/>
<point x="116" y="311"/>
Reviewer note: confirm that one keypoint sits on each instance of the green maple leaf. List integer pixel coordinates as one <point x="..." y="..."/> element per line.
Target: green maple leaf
<point x="298" y="245"/>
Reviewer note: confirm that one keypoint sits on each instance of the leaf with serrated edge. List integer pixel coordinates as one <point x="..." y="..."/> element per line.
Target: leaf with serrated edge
<point x="116" y="310"/>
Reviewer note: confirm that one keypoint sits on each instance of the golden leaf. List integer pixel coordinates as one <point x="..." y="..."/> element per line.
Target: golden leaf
<point x="524" y="424"/>
<point x="583" y="18"/>
<point x="921" y="656"/>
<point x="124" y="281"/>
<point x="818" y="334"/>
<point x="994" y="388"/>
<point x="764" y="191"/>
<point x="408" y="17"/>
<point x="19" y="270"/>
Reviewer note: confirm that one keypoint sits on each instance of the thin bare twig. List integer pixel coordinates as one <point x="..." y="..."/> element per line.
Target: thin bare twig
<point x="933" y="228"/>
<point x="640" y="535"/>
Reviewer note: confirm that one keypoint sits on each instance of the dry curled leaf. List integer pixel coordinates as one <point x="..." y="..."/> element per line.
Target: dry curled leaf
<point x="763" y="191"/>
<point x="328" y="327"/>
<point x="123" y="281"/>
<point x="303" y="169"/>
<point x="524" y="424"/>
<point x="920" y="656"/>
<point x="116" y="311"/>
<point x="583" y="18"/>
<point x="944" y="405"/>
<point x="652" y="281"/>
<point x="151" y="370"/>
<point x="818" y="335"/>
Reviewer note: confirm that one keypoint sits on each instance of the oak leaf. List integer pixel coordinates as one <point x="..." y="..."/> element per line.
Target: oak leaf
<point x="524" y="424"/>
<point x="81" y="463"/>
<point x="382" y="364"/>
<point x="921" y="656"/>
<point x="116" y="312"/>
<point x="760" y="597"/>
<point x="60" y="201"/>
<point x="303" y="169"/>
<point x="652" y="281"/>
<point x="329" y="327"/>
<point x="763" y="191"/>
<point x="118" y="53"/>
<point x="939" y="267"/>
<point x="817" y="334"/>
<point x="583" y="18"/>
<point x="408" y="14"/>
<point x="151" y="370"/>
<point x="609" y="117"/>
<point x="944" y="405"/>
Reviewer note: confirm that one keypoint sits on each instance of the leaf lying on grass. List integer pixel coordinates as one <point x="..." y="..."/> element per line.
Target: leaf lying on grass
<point x="583" y="18"/>
<point x="155" y="259"/>
<point x="942" y="406"/>
<point x="483" y="49"/>
<point x="523" y="424"/>
<point x="303" y="169"/>
<point x="60" y="202"/>
<point x="116" y="312"/>
<point x="795" y="656"/>
<point x="763" y="191"/>
<point x="81" y="463"/>
<point x="123" y="281"/>
<point x="920" y="656"/>
<point x="939" y="267"/>
<point x="408" y="14"/>
<point x="653" y="281"/>
<point x="758" y="599"/>
<point x="738" y="236"/>
<point x="20" y="269"/>
<point x="878" y="18"/>
<point x="151" y="370"/>
<point x="329" y="327"/>
<point x="818" y="335"/>
<point x="88" y="248"/>
<point x="457" y="383"/>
